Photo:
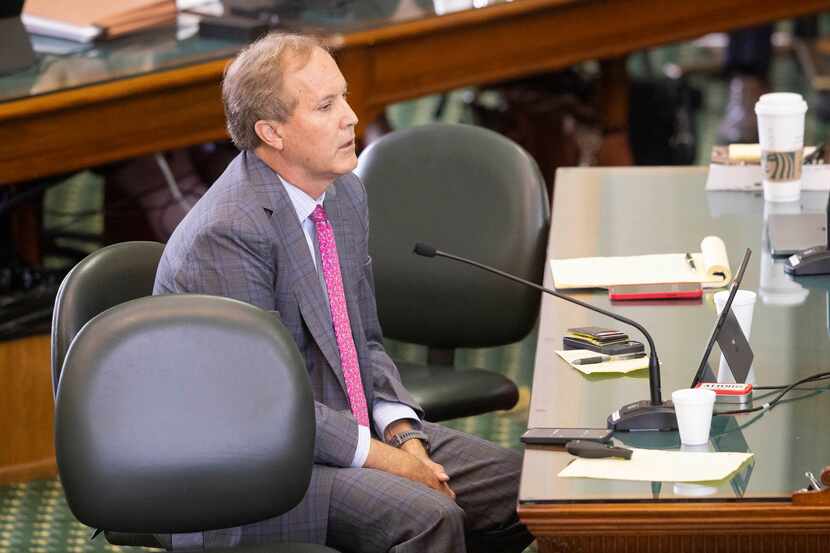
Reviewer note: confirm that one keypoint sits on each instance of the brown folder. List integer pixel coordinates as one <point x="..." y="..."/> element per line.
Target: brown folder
<point x="113" y="17"/>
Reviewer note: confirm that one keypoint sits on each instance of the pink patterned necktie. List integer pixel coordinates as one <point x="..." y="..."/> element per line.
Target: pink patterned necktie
<point x="339" y="315"/>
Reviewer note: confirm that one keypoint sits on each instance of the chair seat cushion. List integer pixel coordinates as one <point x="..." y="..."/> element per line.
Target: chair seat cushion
<point x="448" y="393"/>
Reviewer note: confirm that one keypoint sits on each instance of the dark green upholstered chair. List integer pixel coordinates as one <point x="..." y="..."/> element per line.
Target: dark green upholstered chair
<point x="472" y="192"/>
<point x="183" y="413"/>
<point x="103" y="279"/>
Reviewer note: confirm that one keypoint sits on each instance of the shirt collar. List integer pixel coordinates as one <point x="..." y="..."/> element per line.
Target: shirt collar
<point x="302" y="202"/>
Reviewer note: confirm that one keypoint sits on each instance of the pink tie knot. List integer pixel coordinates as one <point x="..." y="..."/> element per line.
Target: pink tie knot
<point x="319" y="215"/>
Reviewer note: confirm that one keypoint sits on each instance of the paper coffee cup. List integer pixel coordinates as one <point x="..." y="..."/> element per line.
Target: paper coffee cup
<point x="693" y="408"/>
<point x="781" y="134"/>
<point x="743" y="307"/>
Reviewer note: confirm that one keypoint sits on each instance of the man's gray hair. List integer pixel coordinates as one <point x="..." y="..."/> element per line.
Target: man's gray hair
<point x="252" y="88"/>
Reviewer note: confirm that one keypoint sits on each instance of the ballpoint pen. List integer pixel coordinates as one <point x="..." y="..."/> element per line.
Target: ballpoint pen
<point x="603" y="358"/>
<point x="691" y="261"/>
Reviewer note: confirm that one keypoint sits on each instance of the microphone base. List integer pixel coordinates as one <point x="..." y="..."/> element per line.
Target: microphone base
<point x="644" y="415"/>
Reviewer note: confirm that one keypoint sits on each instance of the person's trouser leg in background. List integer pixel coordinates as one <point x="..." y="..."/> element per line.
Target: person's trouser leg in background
<point x="147" y="196"/>
<point x="747" y="62"/>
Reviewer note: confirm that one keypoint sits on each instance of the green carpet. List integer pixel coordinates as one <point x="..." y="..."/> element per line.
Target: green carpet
<point x="36" y="519"/>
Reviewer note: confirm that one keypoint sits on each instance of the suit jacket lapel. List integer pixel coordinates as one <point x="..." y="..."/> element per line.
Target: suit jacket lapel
<point x="306" y="284"/>
<point x="335" y="205"/>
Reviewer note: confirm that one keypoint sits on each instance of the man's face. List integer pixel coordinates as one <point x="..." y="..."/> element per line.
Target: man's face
<point x="319" y="136"/>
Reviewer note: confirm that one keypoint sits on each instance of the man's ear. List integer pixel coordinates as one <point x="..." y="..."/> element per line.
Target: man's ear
<point x="269" y="133"/>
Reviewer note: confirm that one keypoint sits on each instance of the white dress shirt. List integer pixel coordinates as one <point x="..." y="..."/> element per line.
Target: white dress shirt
<point x="383" y="412"/>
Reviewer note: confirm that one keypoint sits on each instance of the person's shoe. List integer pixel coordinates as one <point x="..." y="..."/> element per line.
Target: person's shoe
<point x="739" y="124"/>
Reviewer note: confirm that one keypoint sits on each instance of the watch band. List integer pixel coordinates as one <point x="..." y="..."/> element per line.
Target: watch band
<point x="397" y="440"/>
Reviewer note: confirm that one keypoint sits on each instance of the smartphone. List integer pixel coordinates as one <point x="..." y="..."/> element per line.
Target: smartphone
<point x="674" y="290"/>
<point x="561" y="436"/>
<point x="614" y="348"/>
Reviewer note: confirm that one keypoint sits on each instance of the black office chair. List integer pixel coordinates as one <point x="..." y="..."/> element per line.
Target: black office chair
<point x="105" y="278"/>
<point x="472" y="192"/>
<point x="185" y="413"/>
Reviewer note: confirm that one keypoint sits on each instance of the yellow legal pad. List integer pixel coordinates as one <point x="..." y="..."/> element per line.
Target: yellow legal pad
<point x="711" y="268"/>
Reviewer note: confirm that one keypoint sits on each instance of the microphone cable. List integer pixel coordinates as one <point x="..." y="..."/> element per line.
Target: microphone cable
<point x="782" y="386"/>
<point x="759" y="416"/>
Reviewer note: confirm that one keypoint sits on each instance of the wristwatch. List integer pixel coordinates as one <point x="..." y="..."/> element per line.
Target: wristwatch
<point x="397" y="440"/>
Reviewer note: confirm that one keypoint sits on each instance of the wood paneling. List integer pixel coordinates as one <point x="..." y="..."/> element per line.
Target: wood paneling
<point x="733" y="527"/>
<point x="81" y="128"/>
<point x="643" y="519"/>
<point x="26" y="409"/>
<point x="786" y="543"/>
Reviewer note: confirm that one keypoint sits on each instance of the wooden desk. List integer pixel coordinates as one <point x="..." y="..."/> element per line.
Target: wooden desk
<point x="384" y="61"/>
<point x="627" y="211"/>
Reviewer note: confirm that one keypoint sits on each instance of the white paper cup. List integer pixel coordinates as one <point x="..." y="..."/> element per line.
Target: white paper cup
<point x="743" y="307"/>
<point x="693" y="407"/>
<point x="781" y="134"/>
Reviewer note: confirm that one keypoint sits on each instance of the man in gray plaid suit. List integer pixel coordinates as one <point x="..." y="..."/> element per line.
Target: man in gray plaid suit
<point x="396" y="483"/>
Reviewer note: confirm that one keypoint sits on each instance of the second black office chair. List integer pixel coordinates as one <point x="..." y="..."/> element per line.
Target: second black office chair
<point x="105" y="278"/>
<point x="472" y="192"/>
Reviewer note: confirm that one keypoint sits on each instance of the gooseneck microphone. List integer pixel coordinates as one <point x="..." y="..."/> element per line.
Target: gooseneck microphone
<point x="651" y="414"/>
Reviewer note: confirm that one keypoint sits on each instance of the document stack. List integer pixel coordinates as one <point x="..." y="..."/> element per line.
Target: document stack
<point x="88" y="20"/>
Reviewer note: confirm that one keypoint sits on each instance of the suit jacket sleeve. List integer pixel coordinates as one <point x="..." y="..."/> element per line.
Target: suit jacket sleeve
<point x="228" y="258"/>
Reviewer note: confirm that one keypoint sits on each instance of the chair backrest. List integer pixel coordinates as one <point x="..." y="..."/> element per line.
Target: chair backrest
<point x="468" y="191"/>
<point x="107" y="277"/>
<point x="182" y="413"/>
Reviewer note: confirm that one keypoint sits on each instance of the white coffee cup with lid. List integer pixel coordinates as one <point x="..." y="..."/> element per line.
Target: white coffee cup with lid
<point x="781" y="134"/>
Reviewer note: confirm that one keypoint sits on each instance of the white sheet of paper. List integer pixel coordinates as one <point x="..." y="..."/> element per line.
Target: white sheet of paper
<point x="652" y="465"/>
<point x="624" y="366"/>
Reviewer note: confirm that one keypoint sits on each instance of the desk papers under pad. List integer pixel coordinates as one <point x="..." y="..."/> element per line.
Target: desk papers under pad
<point x="654" y="465"/>
<point x="738" y="167"/>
